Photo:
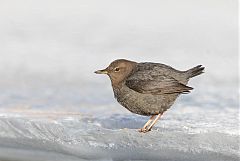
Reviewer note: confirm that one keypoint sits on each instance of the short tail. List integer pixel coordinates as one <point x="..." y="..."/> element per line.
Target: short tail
<point x="195" y="71"/>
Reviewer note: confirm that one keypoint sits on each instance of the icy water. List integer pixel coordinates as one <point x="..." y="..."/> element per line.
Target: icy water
<point x="200" y="126"/>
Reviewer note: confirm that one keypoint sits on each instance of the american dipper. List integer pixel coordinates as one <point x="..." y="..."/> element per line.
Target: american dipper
<point x="147" y="88"/>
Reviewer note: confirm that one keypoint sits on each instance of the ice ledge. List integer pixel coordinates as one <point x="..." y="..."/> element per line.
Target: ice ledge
<point x="85" y="140"/>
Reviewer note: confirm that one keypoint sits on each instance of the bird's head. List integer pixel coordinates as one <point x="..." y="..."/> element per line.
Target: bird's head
<point x="118" y="70"/>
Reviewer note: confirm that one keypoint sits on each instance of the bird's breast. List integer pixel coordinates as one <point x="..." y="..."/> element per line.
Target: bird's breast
<point x="143" y="104"/>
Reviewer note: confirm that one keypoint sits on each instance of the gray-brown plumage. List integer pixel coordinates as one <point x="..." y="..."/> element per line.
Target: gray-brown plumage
<point x="148" y="89"/>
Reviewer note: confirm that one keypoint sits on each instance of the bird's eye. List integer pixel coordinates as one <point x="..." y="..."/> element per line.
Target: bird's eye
<point x="116" y="69"/>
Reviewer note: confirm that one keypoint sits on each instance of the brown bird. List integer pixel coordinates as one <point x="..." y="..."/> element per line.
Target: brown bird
<point x="148" y="89"/>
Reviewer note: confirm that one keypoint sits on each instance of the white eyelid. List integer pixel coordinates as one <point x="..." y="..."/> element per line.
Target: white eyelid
<point x="116" y="69"/>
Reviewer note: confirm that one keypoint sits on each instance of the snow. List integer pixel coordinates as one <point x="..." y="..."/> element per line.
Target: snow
<point x="53" y="107"/>
<point x="84" y="139"/>
<point x="206" y="131"/>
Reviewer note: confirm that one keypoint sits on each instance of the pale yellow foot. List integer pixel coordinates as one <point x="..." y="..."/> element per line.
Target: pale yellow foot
<point x="153" y="123"/>
<point x="147" y="123"/>
<point x="141" y="130"/>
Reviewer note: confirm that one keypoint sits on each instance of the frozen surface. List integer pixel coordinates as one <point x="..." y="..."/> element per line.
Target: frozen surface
<point x="208" y="130"/>
<point x="54" y="108"/>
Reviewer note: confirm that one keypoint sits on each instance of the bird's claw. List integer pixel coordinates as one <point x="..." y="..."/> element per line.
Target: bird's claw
<point x="141" y="130"/>
<point x="144" y="130"/>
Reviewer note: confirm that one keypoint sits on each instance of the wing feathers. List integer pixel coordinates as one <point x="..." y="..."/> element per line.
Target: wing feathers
<point x="144" y="82"/>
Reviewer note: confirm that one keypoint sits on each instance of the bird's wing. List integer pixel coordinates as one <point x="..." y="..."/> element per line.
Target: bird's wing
<point x="148" y="81"/>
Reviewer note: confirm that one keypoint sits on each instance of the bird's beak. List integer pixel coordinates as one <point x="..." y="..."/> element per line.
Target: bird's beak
<point x="104" y="71"/>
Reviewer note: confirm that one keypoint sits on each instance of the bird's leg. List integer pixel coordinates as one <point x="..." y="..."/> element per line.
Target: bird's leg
<point x="147" y="123"/>
<point x="150" y="127"/>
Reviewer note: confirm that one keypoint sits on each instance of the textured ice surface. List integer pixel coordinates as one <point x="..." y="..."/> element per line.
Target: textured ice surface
<point x="73" y="138"/>
<point x="189" y="131"/>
